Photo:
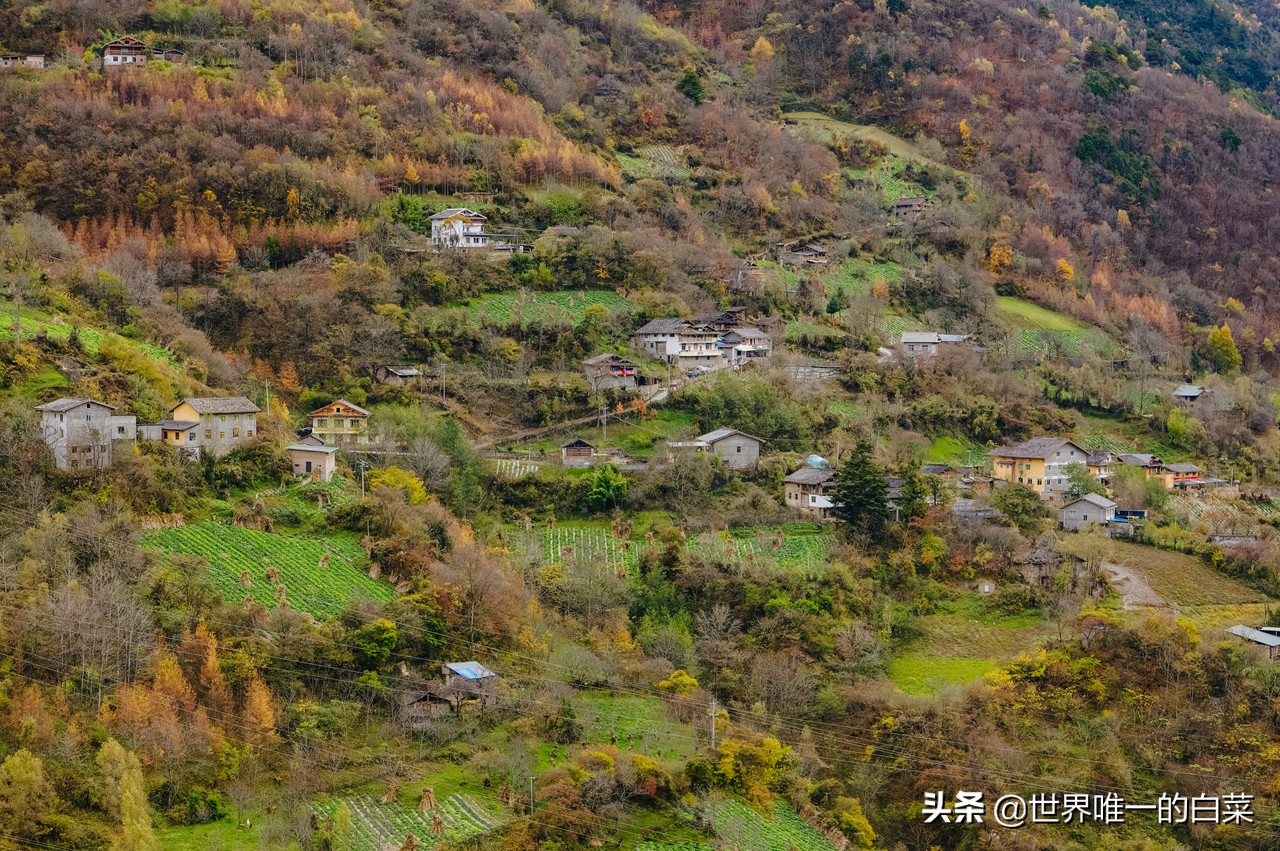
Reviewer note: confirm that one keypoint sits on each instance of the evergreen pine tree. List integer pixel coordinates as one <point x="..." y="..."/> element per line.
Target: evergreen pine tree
<point x="914" y="499"/>
<point x="690" y="86"/>
<point x="860" y="496"/>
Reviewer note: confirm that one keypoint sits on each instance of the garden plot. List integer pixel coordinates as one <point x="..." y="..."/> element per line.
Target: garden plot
<point x="514" y="468"/>
<point x="321" y="576"/>
<point x="377" y="825"/>
<point x="747" y="830"/>
<point x="564" y="543"/>
<point x="801" y="550"/>
<point x="506" y="309"/>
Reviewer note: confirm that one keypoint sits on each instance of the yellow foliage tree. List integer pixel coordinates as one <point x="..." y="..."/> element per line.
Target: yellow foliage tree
<point x="1065" y="270"/>
<point x="259" y="714"/>
<point x="999" y="256"/>
<point x="761" y="51"/>
<point x="395" y="477"/>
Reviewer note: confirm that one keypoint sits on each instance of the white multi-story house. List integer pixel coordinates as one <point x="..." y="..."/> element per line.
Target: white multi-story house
<point x="680" y="342"/>
<point x="458" y="227"/>
<point x="81" y="432"/>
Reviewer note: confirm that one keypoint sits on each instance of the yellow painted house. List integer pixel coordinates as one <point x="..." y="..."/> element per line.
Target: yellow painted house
<point x="211" y="425"/>
<point x="1169" y="475"/>
<point x="1039" y="463"/>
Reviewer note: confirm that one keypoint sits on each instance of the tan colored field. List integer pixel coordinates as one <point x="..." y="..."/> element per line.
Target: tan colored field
<point x="1182" y="580"/>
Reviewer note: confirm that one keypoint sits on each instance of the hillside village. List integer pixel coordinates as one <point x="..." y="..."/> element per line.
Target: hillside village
<point x="665" y="427"/>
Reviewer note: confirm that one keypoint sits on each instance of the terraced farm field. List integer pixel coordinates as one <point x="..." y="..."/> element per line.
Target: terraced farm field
<point x="377" y="825"/>
<point x="57" y="328"/>
<point x="796" y="330"/>
<point x="887" y="177"/>
<point x="320" y="576"/>
<point x="662" y="162"/>
<point x="567" y="541"/>
<point x="747" y="830"/>
<point x="513" y="308"/>
<point x="1036" y="331"/>
<point x="645" y="720"/>
<point x="799" y="548"/>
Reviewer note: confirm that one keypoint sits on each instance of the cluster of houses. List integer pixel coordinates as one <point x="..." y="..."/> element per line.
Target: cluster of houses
<point x="712" y="340"/>
<point x="120" y="53"/>
<point x="1041" y="465"/>
<point x="83" y="433"/>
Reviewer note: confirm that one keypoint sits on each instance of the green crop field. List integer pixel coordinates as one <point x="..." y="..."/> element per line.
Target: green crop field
<point x="320" y="576"/>
<point x="796" y="330"/>
<point x="655" y="161"/>
<point x="893" y="326"/>
<point x="57" y="328"/>
<point x="887" y="177"/>
<point x="955" y="451"/>
<point x="1025" y="314"/>
<point x="799" y="547"/>
<point x="673" y="846"/>
<point x="652" y="731"/>
<point x="1182" y="579"/>
<point x="587" y="541"/>
<point x="376" y="825"/>
<point x="747" y="830"/>
<point x="925" y="676"/>
<point x="510" y="308"/>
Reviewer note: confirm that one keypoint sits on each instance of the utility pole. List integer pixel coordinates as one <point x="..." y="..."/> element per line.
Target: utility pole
<point x="443" y="366"/>
<point x="267" y="385"/>
<point x="362" y="464"/>
<point x="712" y="713"/>
<point x="604" y="422"/>
<point x="530" y="794"/>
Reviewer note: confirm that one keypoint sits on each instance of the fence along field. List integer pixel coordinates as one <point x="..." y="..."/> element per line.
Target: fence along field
<point x="319" y="576"/>
<point x="376" y="825"/>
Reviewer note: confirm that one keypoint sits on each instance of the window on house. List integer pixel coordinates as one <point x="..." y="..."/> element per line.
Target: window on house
<point x="222" y="435"/>
<point x="235" y="432"/>
<point x="208" y="434"/>
<point x="249" y="433"/>
<point x="737" y="449"/>
<point x="1039" y="482"/>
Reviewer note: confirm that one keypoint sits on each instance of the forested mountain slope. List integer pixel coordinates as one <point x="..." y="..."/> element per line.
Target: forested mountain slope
<point x="223" y="653"/>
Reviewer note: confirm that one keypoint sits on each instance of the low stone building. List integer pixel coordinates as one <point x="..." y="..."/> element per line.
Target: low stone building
<point x="610" y="371"/>
<point x="1088" y="509"/>
<point x="577" y="453"/>
<point x="807" y="490"/>
<point x="738" y="450"/>
<point x="315" y="462"/>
